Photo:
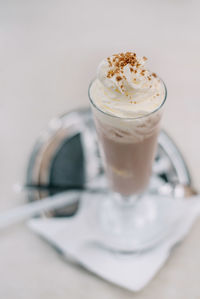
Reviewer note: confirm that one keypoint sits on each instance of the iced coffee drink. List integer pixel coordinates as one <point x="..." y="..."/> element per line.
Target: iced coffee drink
<point x="126" y="101"/>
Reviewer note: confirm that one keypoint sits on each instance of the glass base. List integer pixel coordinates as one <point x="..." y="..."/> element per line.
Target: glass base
<point x="132" y="225"/>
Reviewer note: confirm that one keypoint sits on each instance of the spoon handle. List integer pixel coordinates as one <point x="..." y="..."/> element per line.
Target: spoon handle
<point x="28" y="210"/>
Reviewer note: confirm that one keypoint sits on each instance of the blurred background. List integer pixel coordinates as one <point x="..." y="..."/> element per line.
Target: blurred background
<point x="49" y="53"/>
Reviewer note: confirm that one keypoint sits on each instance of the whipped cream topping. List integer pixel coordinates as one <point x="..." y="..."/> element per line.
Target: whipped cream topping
<point x="125" y="87"/>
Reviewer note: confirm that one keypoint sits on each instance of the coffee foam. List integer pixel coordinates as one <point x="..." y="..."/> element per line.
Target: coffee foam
<point x="124" y="87"/>
<point x="127" y="97"/>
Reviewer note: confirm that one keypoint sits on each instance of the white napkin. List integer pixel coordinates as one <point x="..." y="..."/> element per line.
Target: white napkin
<point x="70" y="236"/>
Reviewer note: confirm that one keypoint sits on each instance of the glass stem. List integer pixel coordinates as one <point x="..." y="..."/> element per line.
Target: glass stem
<point x="126" y="200"/>
<point x="122" y="212"/>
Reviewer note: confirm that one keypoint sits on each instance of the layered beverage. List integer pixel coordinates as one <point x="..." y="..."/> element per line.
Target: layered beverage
<point x="126" y="100"/>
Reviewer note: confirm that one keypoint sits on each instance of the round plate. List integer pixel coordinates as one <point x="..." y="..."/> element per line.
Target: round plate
<point x="66" y="156"/>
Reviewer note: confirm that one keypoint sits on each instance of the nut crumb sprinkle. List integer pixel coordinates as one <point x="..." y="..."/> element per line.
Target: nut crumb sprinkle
<point x="117" y="62"/>
<point x="120" y="61"/>
<point x="118" y="78"/>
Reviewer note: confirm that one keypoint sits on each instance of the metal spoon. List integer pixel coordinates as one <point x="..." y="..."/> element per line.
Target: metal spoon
<point x="69" y="197"/>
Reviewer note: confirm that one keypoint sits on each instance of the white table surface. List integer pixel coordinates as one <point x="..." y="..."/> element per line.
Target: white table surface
<point x="49" y="52"/>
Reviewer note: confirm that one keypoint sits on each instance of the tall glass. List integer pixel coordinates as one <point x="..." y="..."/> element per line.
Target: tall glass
<point x="129" y="220"/>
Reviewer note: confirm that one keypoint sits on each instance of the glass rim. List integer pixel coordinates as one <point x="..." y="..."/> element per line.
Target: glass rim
<point x="124" y="117"/>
